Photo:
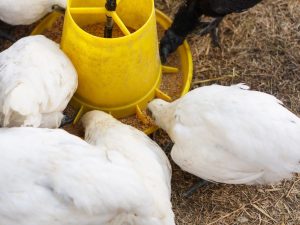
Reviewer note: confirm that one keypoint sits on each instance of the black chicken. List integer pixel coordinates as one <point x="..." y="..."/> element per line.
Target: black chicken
<point x="187" y="19"/>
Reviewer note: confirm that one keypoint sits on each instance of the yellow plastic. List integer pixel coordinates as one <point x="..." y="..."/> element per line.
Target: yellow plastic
<point x="184" y="53"/>
<point x="115" y="74"/>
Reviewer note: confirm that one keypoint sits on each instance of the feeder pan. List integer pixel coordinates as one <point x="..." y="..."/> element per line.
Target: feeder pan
<point x="117" y="75"/>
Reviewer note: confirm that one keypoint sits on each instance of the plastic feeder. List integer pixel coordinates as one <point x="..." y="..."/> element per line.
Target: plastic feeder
<point x="117" y="75"/>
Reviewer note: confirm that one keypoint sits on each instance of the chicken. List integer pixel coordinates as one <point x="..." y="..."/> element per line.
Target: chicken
<point x="26" y="12"/>
<point x="186" y="20"/>
<point x="231" y="134"/>
<point x="37" y="80"/>
<point x="143" y="155"/>
<point x="50" y="177"/>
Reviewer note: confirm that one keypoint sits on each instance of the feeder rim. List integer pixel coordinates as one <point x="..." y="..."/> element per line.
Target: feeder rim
<point x="115" y="39"/>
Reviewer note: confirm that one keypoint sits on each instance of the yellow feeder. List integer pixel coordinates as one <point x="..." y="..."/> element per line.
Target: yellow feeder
<point x="116" y="75"/>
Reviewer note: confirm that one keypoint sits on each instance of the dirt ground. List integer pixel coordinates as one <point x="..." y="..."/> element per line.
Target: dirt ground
<point x="260" y="47"/>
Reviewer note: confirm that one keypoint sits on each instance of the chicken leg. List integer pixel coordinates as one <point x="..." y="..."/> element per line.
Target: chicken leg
<point x="5" y="30"/>
<point x="195" y="187"/>
<point x="6" y="36"/>
<point x="212" y="29"/>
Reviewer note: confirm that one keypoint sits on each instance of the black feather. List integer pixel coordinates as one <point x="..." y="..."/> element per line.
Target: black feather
<point x="186" y="19"/>
<point x="225" y="7"/>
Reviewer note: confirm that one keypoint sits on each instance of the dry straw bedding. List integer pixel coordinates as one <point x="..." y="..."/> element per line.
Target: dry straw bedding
<point x="260" y="47"/>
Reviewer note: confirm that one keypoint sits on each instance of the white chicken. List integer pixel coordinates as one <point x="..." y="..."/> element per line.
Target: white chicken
<point x="37" y="80"/>
<point x="25" y="12"/>
<point x="143" y="155"/>
<point x="51" y="177"/>
<point x="231" y="134"/>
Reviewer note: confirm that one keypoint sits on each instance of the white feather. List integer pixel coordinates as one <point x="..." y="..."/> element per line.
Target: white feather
<point x="51" y="177"/>
<point x="231" y="134"/>
<point x="25" y="12"/>
<point x="143" y="154"/>
<point x="37" y="80"/>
